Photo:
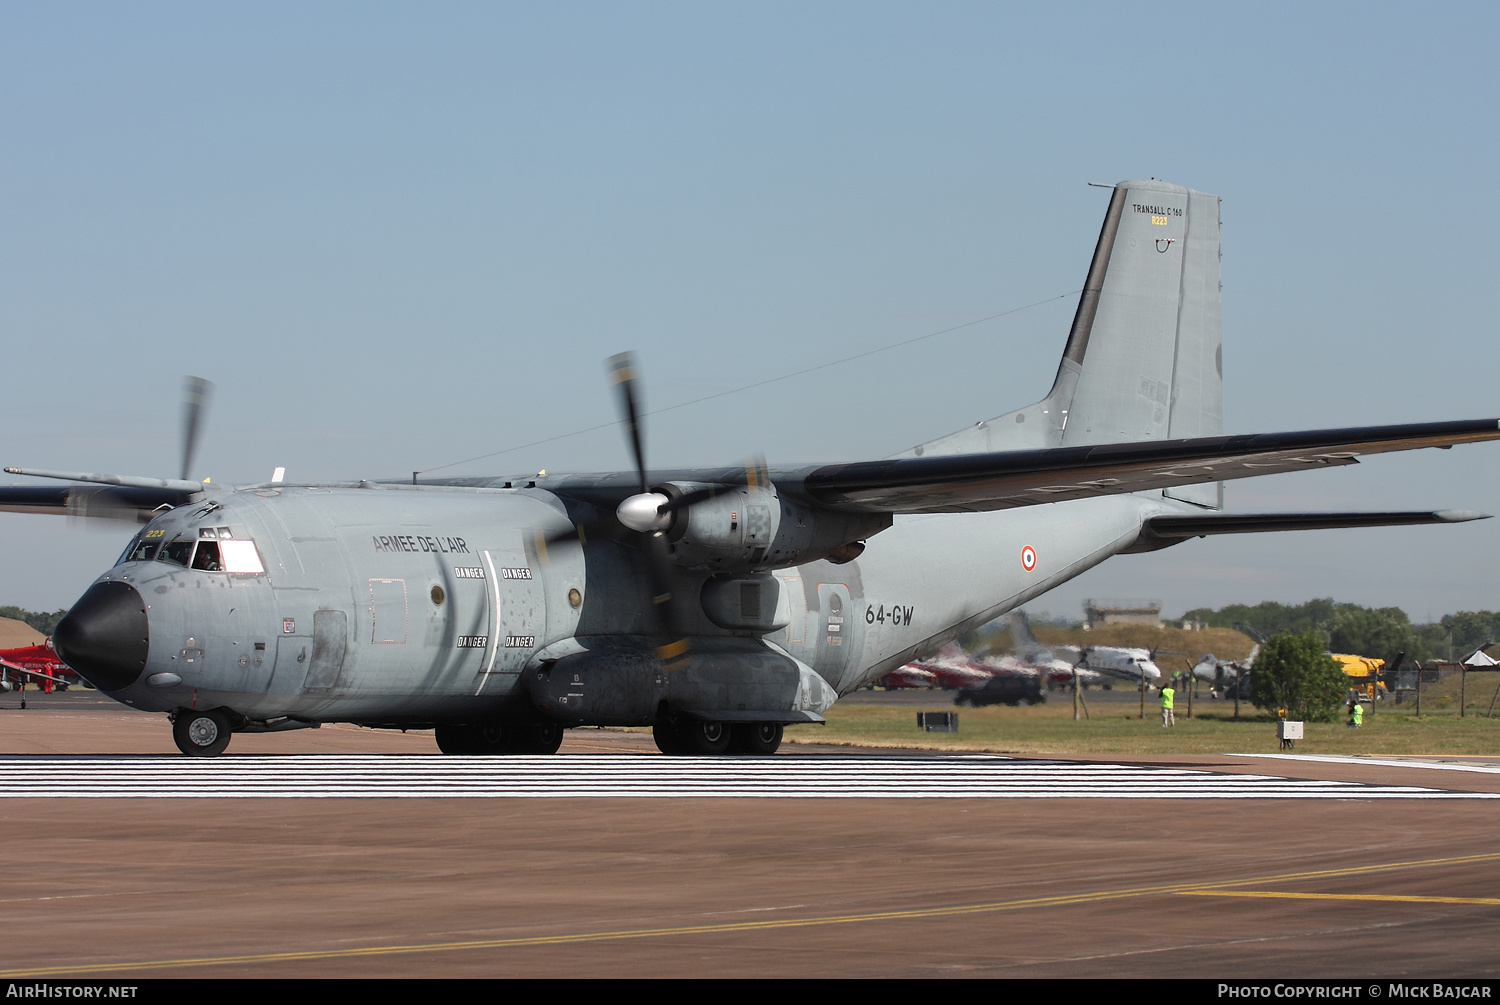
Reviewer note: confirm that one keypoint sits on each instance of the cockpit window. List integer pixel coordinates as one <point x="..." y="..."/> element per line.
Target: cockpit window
<point x="142" y="547"/>
<point x="176" y="553"/>
<point x="142" y="551"/>
<point x="215" y="550"/>
<point x="240" y="556"/>
<point x="206" y="558"/>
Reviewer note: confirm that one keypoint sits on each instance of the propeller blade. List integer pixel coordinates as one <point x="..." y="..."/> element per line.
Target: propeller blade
<point x="676" y="651"/>
<point x="542" y="544"/>
<point x="195" y="394"/>
<point x="672" y="505"/>
<point x="757" y="477"/>
<point x="622" y="372"/>
<point x="648" y="514"/>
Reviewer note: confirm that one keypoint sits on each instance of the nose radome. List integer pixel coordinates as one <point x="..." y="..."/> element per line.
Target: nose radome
<point x="105" y="636"/>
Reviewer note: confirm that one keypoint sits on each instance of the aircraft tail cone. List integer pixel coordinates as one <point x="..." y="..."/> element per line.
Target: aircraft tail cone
<point x="105" y="637"/>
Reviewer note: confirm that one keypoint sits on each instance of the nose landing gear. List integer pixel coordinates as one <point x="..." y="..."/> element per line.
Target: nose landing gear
<point x="201" y="734"/>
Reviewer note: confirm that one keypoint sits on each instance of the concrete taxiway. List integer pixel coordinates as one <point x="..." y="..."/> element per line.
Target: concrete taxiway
<point x="1371" y="869"/>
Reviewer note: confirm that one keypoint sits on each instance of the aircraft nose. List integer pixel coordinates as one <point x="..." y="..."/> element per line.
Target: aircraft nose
<point x="105" y="636"/>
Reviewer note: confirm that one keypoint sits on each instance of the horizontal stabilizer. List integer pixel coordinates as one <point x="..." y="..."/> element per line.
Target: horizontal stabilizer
<point x="1161" y="531"/>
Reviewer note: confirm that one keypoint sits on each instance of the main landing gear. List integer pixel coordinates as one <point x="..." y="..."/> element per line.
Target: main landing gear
<point x="689" y="735"/>
<point x="500" y="738"/>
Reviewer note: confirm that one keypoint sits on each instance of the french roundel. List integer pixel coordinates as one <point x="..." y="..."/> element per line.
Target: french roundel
<point x="1028" y="558"/>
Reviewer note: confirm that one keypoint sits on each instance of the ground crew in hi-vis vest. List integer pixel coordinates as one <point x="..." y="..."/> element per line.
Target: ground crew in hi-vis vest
<point x="1356" y="714"/>
<point x="1167" y="694"/>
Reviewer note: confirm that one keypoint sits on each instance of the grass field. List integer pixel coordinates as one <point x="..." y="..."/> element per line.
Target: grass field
<point x="1114" y="729"/>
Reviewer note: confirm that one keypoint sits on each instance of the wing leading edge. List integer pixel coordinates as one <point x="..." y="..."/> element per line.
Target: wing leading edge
<point x="1010" y="479"/>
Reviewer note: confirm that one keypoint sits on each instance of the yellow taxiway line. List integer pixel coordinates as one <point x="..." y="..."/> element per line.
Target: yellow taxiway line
<point x="1382" y="897"/>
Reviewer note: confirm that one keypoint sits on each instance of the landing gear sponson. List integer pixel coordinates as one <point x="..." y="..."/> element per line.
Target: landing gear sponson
<point x="499" y="738"/>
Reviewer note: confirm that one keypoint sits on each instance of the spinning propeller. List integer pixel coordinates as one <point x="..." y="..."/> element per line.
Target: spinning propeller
<point x="195" y="394"/>
<point x="130" y="497"/>
<point x="650" y="513"/>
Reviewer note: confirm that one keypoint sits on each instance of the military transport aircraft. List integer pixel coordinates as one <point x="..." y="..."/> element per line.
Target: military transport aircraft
<point x="715" y="604"/>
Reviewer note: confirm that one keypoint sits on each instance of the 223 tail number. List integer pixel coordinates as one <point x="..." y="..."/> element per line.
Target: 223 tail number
<point x="888" y="615"/>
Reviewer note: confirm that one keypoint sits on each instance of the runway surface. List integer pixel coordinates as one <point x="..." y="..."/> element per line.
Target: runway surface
<point x="367" y="854"/>
<point x="839" y="776"/>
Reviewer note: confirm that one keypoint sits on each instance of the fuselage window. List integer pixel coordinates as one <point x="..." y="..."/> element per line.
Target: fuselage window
<point x="177" y="553"/>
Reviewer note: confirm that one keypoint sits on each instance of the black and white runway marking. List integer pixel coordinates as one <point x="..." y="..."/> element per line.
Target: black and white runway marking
<point x="613" y="776"/>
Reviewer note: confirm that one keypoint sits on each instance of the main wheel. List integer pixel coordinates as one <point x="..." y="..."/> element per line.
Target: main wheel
<point x="455" y="739"/>
<point x="201" y="734"/>
<point x="493" y="738"/>
<point x="755" y="737"/>
<point x="537" y="738"/>
<point x="667" y="740"/>
<point x="704" y="736"/>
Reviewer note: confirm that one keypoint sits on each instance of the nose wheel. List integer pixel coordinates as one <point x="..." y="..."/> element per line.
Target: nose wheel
<point x="201" y="734"/>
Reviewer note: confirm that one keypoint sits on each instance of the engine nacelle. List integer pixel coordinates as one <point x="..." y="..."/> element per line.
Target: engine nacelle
<point x="745" y="601"/>
<point x="758" y="528"/>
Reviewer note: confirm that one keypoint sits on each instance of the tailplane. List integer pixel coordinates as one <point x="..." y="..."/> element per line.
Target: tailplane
<point x="1143" y="358"/>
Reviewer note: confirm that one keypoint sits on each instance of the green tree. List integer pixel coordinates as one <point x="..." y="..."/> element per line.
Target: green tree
<point x="43" y="621"/>
<point x="1470" y="630"/>
<point x="1346" y="628"/>
<point x="1293" y="672"/>
<point x="1381" y="633"/>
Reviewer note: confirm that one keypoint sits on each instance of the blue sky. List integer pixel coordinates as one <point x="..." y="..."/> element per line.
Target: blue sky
<point x="397" y="236"/>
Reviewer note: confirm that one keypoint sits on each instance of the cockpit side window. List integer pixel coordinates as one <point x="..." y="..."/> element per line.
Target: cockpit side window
<point x="142" y="547"/>
<point x="206" y="558"/>
<point x="130" y="548"/>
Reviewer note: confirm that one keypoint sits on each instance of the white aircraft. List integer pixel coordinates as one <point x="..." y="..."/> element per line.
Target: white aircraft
<point x="1120" y="662"/>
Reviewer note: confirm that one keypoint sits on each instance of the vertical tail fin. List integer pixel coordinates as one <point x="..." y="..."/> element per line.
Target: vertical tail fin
<point x="1143" y="358"/>
<point x="1023" y="642"/>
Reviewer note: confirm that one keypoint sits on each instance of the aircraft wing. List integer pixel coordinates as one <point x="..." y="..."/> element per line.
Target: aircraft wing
<point x="112" y="502"/>
<point x="978" y="482"/>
